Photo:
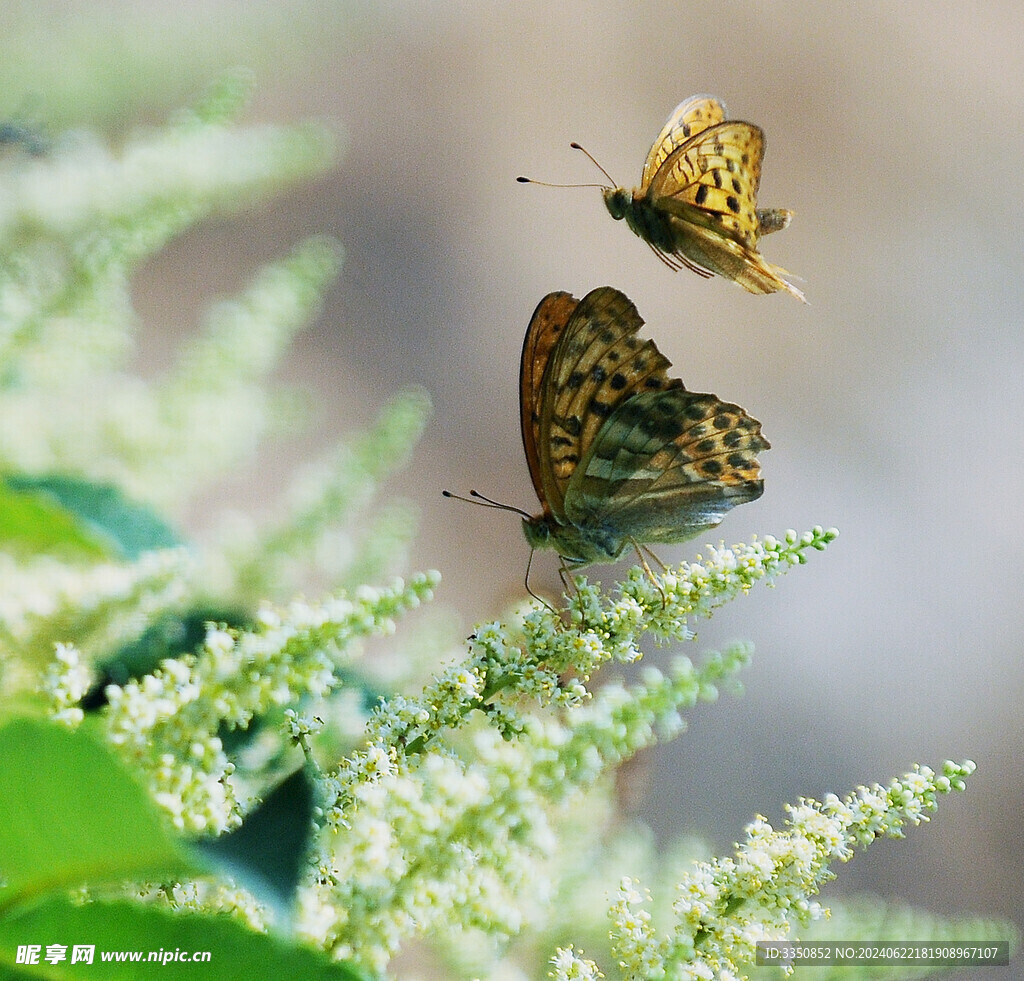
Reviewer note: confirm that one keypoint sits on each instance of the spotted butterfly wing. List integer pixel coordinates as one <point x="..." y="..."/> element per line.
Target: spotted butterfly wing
<point x="581" y="358"/>
<point x="619" y="452"/>
<point x="668" y="466"/>
<point x="717" y="173"/>
<point x="690" y="117"/>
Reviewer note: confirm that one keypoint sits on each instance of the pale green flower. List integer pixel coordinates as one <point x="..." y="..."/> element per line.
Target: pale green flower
<point x="567" y="966"/>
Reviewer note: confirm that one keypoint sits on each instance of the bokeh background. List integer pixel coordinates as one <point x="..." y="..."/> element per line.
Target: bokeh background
<point x="893" y="401"/>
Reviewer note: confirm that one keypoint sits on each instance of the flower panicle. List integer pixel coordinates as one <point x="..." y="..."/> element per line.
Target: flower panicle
<point x="45" y="602"/>
<point x="620" y="721"/>
<point x="543" y="659"/>
<point x="66" y="681"/>
<point x="723" y="907"/>
<point x="664" y="603"/>
<point x="328" y="493"/>
<point x="168" y="722"/>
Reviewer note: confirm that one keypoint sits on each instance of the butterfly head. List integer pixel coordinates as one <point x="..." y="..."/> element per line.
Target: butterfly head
<point x="538" y="530"/>
<point x="617" y="200"/>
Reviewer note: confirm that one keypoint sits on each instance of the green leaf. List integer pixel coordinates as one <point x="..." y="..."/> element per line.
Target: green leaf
<point x="235" y="951"/>
<point x="128" y="528"/>
<point x="31" y="523"/>
<point x="73" y="815"/>
<point x="267" y="854"/>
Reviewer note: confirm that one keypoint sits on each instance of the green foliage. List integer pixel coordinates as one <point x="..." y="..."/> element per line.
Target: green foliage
<point x="33" y="523"/>
<point x="43" y="851"/>
<point x="126" y="529"/>
<point x="236" y="952"/>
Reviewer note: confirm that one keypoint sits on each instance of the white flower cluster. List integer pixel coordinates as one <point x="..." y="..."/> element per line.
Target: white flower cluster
<point x="418" y="831"/>
<point x="73" y="226"/>
<point x="569" y="967"/>
<point x="431" y="838"/>
<point x="191" y="167"/>
<point x="724" y="907"/>
<point x="529" y="661"/>
<point x="45" y="602"/>
<point x="430" y="844"/>
<point x="205" y="897"/>
<point x="66" y="681"/>
<point x="166" y="723"/>
<point x="154" y="440"/>
<point x="664" y="603"/>
<point x="621" y="721"/>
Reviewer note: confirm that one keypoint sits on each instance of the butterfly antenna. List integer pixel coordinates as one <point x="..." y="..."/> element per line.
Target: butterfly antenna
<point x="530" y="180"/>
<point x="592" y="159"/>
<point x="485" y="502"/>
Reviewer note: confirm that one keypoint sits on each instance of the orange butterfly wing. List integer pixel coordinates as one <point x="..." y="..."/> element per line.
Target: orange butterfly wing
<point x="546" y="324"/>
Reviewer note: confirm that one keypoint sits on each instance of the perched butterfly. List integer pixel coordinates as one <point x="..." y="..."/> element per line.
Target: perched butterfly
<point x="696" y="205"/>
<point x="619" y="453"/>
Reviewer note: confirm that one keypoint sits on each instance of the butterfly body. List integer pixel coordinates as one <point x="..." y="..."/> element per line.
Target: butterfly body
<point x="619" y="453"/>
<point x="696" y="205"/>
<point x="577" y="546"/>
<point x="645" y="221"/>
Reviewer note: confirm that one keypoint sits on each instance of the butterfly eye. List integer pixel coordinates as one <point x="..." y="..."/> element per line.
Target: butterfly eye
<point x="537" y="531"/>
<point x="616" y="201"/>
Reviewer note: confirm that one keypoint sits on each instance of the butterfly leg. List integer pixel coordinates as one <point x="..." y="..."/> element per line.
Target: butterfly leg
<point x="676" y="261"/>
<point x="651" y="554"/>
<point x="640" y="549"/>
<point x="568" y="586"/>
<point x="668" y="260"/>
<point x="693" y="267"/>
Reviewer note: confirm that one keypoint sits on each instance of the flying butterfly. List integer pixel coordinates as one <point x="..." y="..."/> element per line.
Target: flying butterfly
<point x="696" y="205"/>
<point x="620" y="454"/>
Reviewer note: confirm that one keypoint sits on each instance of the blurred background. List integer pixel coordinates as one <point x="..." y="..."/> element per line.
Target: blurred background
<point x="893" y="401"/>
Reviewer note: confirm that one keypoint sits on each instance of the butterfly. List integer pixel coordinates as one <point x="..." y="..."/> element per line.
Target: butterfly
<point x="620" y="454"/>
<point x="696" y="205"/>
